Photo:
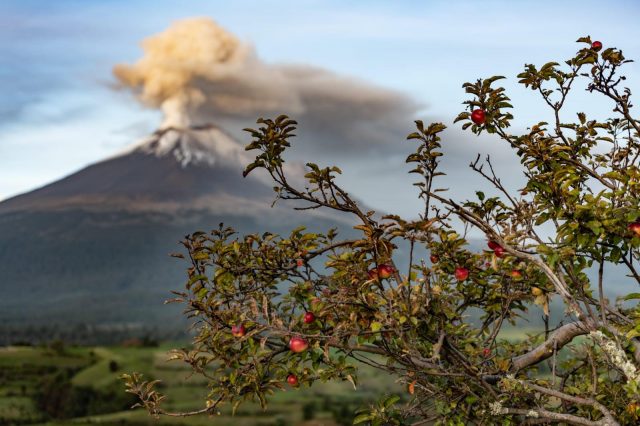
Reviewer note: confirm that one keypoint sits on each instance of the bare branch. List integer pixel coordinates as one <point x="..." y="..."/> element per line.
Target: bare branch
<point x="558" y="339"/>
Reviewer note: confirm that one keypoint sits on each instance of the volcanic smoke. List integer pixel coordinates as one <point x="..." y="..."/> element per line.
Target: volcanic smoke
<point x="198" y="73"/>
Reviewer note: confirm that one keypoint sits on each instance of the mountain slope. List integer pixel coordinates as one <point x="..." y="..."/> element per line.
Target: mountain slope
<point x="93" y="247"/>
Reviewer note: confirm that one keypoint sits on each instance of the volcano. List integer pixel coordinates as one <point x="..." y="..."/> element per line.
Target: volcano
<point x="92" y="248"/>
<point x="171" y="171"/>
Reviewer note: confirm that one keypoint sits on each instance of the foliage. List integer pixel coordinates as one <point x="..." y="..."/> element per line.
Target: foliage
<point x="575" y="212"/>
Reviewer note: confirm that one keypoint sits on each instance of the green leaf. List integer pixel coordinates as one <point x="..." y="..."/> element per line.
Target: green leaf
<point x="631" y="296"/>
<point x="390" y="401"/>
<point x="250" y="167"/>
<point x="200" y="256"/>
<point x="633" y="333"/>
<point x="197" y="278"/>
<point x="361" y="418"/>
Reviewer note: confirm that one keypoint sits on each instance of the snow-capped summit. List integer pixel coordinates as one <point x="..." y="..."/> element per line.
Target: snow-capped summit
<point x="194" y="145"/>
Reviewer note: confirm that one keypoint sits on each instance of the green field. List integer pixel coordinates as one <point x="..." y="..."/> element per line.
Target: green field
<point x="58" y="385"/>
<point x="88" y="377"/>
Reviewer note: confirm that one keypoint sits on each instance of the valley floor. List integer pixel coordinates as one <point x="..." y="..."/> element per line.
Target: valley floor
<point x="59" y="385"/>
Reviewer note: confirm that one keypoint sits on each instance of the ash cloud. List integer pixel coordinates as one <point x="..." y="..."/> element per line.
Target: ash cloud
<point x="197" y="73"/>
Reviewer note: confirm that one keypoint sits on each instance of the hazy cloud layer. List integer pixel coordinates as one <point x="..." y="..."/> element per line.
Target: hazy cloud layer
<point x="198" y="73"/>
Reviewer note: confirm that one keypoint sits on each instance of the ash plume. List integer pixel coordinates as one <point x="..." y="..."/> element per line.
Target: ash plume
<point x="198" y="73"/>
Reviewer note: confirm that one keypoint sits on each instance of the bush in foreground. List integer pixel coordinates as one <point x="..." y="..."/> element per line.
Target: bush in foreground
<point x="268" y="308"/>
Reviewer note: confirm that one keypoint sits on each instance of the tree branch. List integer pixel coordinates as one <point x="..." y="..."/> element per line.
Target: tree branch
<point x="561" y="417"/>
<point x="558" y="338"/>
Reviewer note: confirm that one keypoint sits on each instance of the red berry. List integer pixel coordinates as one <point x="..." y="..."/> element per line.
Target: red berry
<point x="238" y="330"/>
<point x="385" y="271"/>
<point x="634" y="227"/>
<point x="498" y="251"/>
<point x="292" y="380"/>
<point x="492" y="245"/>
<point x="596" y="45"/>
<point x="478" y="116"/>
<point x="309" y="317"/>
<point x="461" y="274"/>
<point x="298" y="344"/>
<point x="434" y="258"/>
<point x="299" y="262"/>
<point x="486" y="352"/>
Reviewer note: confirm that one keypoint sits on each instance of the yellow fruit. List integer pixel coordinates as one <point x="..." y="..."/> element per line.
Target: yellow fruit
<point x="536" y="291"/>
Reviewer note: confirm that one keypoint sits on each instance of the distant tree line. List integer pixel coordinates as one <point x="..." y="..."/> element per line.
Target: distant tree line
<point x="83" y="334"/>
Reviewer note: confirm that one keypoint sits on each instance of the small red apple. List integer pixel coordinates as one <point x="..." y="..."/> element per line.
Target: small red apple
<point x="498" y="251"/>
<point x="238" y="330"/>
<point x="299" y="262"/>
<point x="478" y="116"/>
<point x="461" y="273"/>
<point x="298" y="344"/>
<point x="596" y="45"/>
<point x="634" y="227"/>
<point x="292" y="379"/>
<point x="309" y="317"/>
<point x="385" y="271"/>
<point x="516" y="275"/>
<point x="434" y="258"/>
<point x="486" y="352"/>
<point x="493" y="245"/>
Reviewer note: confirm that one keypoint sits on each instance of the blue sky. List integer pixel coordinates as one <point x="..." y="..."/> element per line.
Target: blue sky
<point x="59" y="111"/>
